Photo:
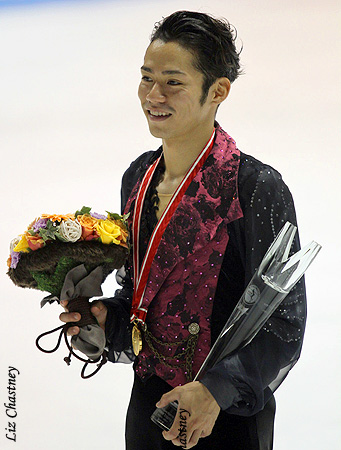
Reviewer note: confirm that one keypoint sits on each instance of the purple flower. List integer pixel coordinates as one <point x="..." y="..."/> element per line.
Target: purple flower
<point x="98" y="216"/>
<point x="15" y="257"/>
<point x="40" y="223"/>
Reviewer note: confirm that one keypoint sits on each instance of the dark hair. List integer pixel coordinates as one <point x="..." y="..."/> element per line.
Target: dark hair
<point x="211" y="41"/>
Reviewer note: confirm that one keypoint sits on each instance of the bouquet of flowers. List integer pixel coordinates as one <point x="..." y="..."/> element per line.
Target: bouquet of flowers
<point x="70" y="256"/>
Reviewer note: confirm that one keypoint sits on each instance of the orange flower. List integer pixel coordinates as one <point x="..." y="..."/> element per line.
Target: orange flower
<point x="88" y="224"/>
<point x="87" y="221"/>
<point x="34" y="242"/>
<point x="58" y="217"/>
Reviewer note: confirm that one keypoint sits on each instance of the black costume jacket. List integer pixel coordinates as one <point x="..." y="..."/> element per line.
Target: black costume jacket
<point x="244" y="382"/>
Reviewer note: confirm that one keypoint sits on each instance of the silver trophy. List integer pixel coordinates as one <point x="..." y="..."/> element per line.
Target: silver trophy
<point x="276" y="275"/>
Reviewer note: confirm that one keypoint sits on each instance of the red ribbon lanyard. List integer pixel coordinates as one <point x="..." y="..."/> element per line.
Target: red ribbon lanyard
<point x="141" y="276"/>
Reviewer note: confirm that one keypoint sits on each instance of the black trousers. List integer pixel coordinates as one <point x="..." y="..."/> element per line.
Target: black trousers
<point x="230" y="432"/>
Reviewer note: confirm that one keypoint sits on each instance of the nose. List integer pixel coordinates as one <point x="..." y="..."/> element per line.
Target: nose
<point x="156" y="95"/>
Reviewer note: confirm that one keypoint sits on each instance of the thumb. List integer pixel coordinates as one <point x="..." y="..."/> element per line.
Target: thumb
<point x="98" y="308"/>
<point x="169" y="397"/>
<point x="99" y="311"/>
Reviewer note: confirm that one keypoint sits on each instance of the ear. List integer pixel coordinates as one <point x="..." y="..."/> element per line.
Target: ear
<point x="220" y="90"/>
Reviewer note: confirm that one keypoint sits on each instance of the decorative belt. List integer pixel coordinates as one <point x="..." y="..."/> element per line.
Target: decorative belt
<point x="188" y="351"/>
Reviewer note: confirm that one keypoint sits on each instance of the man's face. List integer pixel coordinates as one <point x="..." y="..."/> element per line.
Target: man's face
<point x="170" y="92"/>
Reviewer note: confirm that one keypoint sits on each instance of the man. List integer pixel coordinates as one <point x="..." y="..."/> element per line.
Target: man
<point x="202" y="215"/>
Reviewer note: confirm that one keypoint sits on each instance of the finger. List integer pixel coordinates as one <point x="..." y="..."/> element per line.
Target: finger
<point x="184" y="427"/>
<point x="180" y="441"/>
<point x="173" y="433"/>
<point x="193" y="439"/>
<point x="73" y="331"/>
<point x="69" y="317"/>
<point x="206" y="433"/>
<point x="168" y="398"/>
<point x="64" y="304"/>
<point x="170" y="435"/>
<point x="177" y="443"/>
<point x="177" y="431"/>
<point x="98" y="308"/>
<point x="99" y="311"/>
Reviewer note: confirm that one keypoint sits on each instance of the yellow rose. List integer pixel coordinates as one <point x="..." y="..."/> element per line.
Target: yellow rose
<point x="22" y="245"/>
<point x="108" y="231"/>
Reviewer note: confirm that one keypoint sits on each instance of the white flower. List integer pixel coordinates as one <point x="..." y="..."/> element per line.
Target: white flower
<point x="70" y="230"/>
<point x="14" y="243"/>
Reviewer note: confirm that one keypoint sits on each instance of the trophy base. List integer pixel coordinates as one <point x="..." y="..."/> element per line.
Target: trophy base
<point x="164" y="417"/>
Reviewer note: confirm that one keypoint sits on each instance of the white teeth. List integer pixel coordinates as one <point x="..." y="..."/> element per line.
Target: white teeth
<point x="155" y="113"/>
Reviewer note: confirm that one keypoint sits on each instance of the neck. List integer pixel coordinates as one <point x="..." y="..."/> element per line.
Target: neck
<point x="180" y="154"/>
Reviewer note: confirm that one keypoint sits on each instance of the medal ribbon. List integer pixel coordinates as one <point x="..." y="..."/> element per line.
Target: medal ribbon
<point x="141" y="276"/>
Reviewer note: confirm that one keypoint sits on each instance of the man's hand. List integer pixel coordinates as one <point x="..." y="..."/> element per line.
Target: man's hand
<point x="196" y="416"/>
<point x="98" y="309"/>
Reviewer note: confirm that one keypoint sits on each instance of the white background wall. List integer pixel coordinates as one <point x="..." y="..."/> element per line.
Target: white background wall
<point x="70" y="123"/>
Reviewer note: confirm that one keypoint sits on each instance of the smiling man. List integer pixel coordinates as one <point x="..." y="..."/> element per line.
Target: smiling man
<point x="202" y="215"/>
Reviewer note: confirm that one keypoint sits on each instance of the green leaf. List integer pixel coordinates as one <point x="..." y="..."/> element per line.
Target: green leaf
<point x="84" y="210"/>
<point x="114" y="216"/>
<point x="59" y="236"/>
<point x="49" y="232"/>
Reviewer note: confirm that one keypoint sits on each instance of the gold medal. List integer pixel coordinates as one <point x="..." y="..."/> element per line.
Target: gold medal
<point x="136" y="337"/>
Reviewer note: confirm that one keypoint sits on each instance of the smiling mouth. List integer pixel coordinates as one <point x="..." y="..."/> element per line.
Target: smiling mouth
<point x="158" y="115"/>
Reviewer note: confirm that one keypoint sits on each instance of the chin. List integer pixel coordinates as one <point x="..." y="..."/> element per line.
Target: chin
<point x="156" y="132"/>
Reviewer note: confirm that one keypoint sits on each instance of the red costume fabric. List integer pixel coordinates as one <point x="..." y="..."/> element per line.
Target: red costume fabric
<point x="185" y="270"/>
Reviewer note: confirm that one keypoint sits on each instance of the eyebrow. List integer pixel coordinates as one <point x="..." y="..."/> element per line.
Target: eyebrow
<point x="165" y="72"/>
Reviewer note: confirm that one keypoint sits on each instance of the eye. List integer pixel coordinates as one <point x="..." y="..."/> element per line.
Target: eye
<point x="145" y="78"/>
<point x="174" y="83"/>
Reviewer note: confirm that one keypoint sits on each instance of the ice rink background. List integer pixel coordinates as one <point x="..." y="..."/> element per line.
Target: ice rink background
<point x="70" y="124"/>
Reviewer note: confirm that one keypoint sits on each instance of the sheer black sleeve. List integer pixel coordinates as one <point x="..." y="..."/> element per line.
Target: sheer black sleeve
<point x="244" y="382"/>
<point x="117" y="325"/>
